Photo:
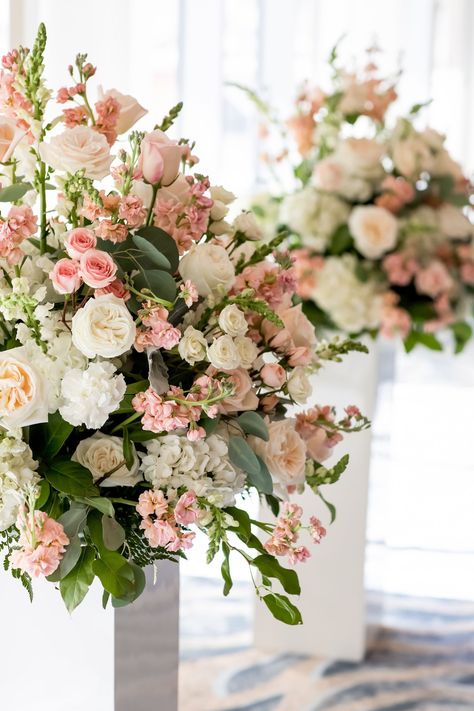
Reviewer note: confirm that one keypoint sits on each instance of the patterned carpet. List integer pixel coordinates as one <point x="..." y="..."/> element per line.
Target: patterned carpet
<point x="420" y="656"/>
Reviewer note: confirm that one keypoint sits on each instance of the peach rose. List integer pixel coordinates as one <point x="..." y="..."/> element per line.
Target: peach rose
<point x="10" y="136"/>
<point x="79" y="241"/>
<point x="23" y="393"/>
<point x="244" y="397"/>
<point x="98" y="269"/>
<point x="65" y="276"/>
<point x="297" y="339"/>
<point x="159" y="158"/>
<point x="273" y="375"/>
<point x="130" y="110"/>
<point x="78" y="148"/>
<point x="284" y="453"/>
<point x="374" y="229"/>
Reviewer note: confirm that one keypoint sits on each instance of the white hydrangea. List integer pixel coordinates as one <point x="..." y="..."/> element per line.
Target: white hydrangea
<point x="89" y="396"/>
<point x="314" y="215"/>
<point x="172" y="461"/>
<point x="351" y="304"/>
<point x="17" y="471"/>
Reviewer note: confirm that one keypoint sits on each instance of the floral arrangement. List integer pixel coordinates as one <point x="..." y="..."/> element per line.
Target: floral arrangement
<point x="151" y="353"/>
<point x="377" y="210"/>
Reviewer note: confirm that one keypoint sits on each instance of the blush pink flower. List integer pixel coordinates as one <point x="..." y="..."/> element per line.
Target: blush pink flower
<point x="400" y="268"/>
<point x="186" y="511"/>
<point x="112" y="231"/>
<point x="316" y="529"/>
<point x="132" y="210"/>
<point x="66" y="276"/>
<point x="152" y="503"/>
<point x="189" y="293"/>
<point x="273" y="375"/>
<point x="314" y="427"/>
<point x="433" y="280"/>
<point x="79" y="241"/>
<point x="43" y="543"/>
<point x="298" y="555"/>
<point x="117" y="288"/>
<point x="98" y="269"/>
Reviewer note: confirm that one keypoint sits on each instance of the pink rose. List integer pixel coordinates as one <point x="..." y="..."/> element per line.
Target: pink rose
<point x="159" y="158"/>
<point x="130" y="110"/>
<point x="244" y="397"/>
<point x="297" y="339"/>
<point x="273" y="375"/>
<point x="117" y="288"/>
<point x="433" y="280"/>
<point x="284" y="453"/>
<point x="328" y="175"/>
<point x="79" y="241"/>
<point x="66" y="276"/>
<point x="98" y="269"/>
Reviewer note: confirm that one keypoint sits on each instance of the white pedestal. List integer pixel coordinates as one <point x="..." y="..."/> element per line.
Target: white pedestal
<point x="91" y="660"/>
<point x="332" y="580"/>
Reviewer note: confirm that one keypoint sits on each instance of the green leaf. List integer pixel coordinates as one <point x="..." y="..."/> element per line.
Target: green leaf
<point x="68" y="561"/>
<point x="331" y="507"/>
<point x="47" y="439"/>
<point x="75" y="586"/>
<point x="252" y="423"/>
<point x="271" y="568"/>
<point x="425" y="339"/>
<point x="137" y="387"/>
<point x="115" y="573"/>
<point x="225" y="569"/>
<point x="341" y="240"/>
<point x="462" y="333"/>
<point x="105" y="599"/>
<point x="101" y="503"/>
<point x="74" y="520"/>
<point x="244" y="530"/>
<point x="164" y="243"/>
<point x="158" y="259"/>
<point x="273" y="503"/>
<point x="263" y="481"/>
<point x="43" y="494"/>
<point x="159" y="282"/>
<point x="243" y="456"/>
<point x="139" y="584"/>
<point x="139" y="435"/>
<point x="128" y="449"/>
<point x="14" y="192"/>
<point x="282" y="609"/>
<point x="70" y="478"/>
<point x="112" y="533"/>
<point x="209" y="423"/>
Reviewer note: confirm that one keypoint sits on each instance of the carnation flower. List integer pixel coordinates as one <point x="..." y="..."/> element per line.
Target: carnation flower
<point x="89" y="396"/>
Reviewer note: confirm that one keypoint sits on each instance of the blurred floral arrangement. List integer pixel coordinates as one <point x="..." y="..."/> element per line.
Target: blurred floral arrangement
<point x="150" y="354"/>
<point x="378" y="211"/>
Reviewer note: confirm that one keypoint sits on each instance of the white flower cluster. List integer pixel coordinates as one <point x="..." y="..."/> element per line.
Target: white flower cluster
<point x="89" y="396"/>
<point x="314" y="215"/>
<point x="172" y="461"/>
<point x="17" y="471"/>
<point x="352" y="305"/>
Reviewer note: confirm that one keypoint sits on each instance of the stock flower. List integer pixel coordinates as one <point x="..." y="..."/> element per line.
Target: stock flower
<point x="23" y="395"/>
<point x="209" y="268"/>
<point x="103" y="327"/>
<point x="103" y="455"/>
<point x="78" y="148"/>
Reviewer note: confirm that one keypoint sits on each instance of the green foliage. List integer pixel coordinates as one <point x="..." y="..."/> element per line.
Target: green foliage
<point x="462" y="333"/>
<point x="170" y="117"/>
<point x="112" y="533"/>
<point x="303" y="171"/>
<point x="282" y="609"/>
<point x="415" y="338"/>
<point x="14" y="192"/>
<point x="75" y="586"/>
<point x="159" y="260"/>
<point x="253" y="424"/>
<point x="68" y="561"/>
<point x="47" y="439"/>
<point x="341" y="240"/>
<point x="225" y="569"/>
<point x="70" y="478"/>
<point x="162" y="241"/>
<point x="74" y="519"/>
<point x="271" y="568"/>
<point x="158" y="282"/>
<point x="128" y="449"/>
<point x="243" y="457"/>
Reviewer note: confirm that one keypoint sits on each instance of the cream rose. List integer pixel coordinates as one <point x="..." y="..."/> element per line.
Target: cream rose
<point x="284" y="453"/>
<point x="23" y="390"/>
<point x="232" y="321"/>
<point x="101" y="454"/>
<point x="10" y="136"/>
<point x="209" y="268"/>
<point x="328" y="175"/>
<point x="103" y="327"/>
<point x="78" y="148"/>
<point x="453" y="222"/>
<point x="192" y="346"/>
<point x="248" y="351"/>
<point x="299" y="385"/>
<point x="247" y="224"/>
<point x="223" y="353"/>
<point x="411" y="155"/>
<point x="374" y="230"/>
<point x="130" y="110"/>
<point x="360" y="157"/>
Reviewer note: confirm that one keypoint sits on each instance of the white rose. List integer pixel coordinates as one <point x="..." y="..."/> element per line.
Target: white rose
<point x="232" y="321"/>
<point x="130" y="110"/>
<point x="411" y="156"/>
<point x="101" y="454"/>
<point x="221" y="194"/>
<point x="223" y="353"/>
<point x="453" y="222"/>
<point x="23" y="391"/>
<point x="104" y="327"/>
<point x="299" y="385"/>
<point x="78" y="148"/>
<point x="221" y="227"/>
<point x="247" y="224"/>
<point x="192" y="346"/>
<point x="360" y="157"/>
<point x="219" y="210"/>
<point x="248" y="351"/>
<point x="374" y="230"/>
<point x="209" y="268"/>
<point x="314" y="216"/>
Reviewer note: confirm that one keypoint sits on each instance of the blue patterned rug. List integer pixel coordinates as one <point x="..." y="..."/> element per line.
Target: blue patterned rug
<point x="421" y="656"/>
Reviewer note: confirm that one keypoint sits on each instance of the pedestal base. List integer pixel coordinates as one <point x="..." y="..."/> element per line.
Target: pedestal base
<point x="332" y="580"/>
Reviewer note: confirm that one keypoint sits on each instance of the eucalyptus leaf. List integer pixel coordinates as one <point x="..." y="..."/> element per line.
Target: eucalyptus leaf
<point x="68" y="561"/>
<point x="243" y="456"/>
<point x="158" y="259"/>
<point x="75" y="586"/>
<point x="112" y="533"/>
<point x="252" y="423"/>
<point x="139" y="584"/>
<point x="115" y="573"/>
<point x="159" y="282"/>
<point x="74" y="519"/>
<point x="163" y="242"/>
<point x="101" y="503"/>
<point x="14" y="192"/>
